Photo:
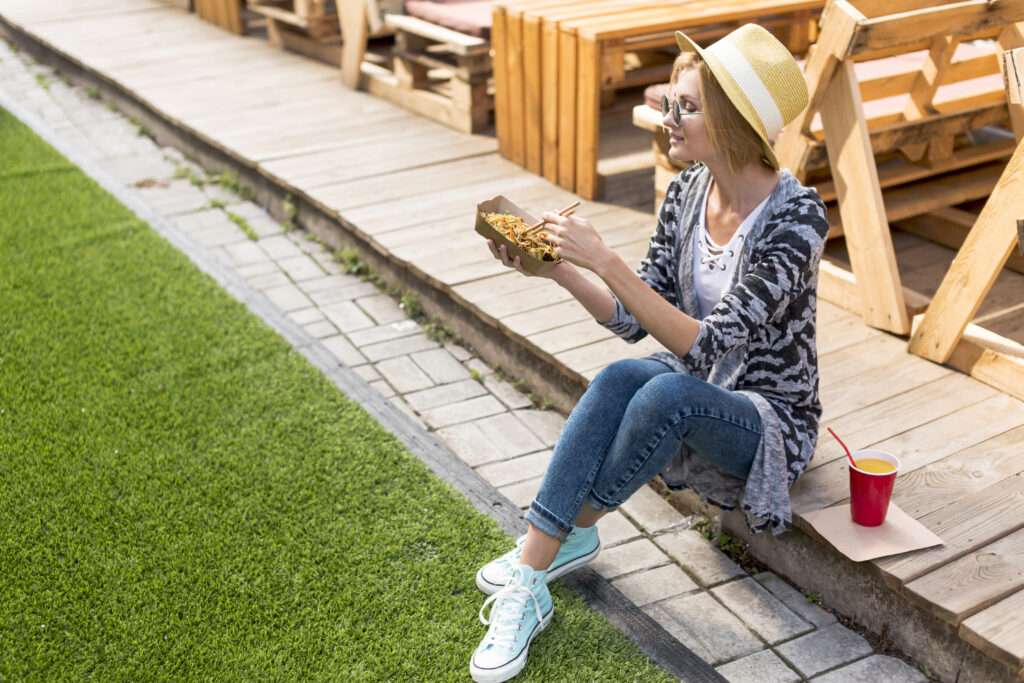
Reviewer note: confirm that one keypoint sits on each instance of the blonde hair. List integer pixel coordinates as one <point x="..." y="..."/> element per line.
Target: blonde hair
<point x="728" y="132"/>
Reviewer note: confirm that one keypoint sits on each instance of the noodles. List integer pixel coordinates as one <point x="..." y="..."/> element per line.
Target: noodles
<point x="514" y="228"/>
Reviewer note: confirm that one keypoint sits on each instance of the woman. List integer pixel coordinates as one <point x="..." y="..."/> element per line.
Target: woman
<point x="728" y="288"/>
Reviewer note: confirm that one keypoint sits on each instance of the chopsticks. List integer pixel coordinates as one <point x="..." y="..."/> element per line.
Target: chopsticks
<point x="567" y="211"/>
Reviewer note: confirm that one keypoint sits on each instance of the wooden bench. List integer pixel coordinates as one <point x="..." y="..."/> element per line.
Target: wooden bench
<point x="922" y="154"/>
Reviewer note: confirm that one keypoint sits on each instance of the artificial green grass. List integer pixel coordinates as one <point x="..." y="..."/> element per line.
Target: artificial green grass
<point x="183" y="497"/>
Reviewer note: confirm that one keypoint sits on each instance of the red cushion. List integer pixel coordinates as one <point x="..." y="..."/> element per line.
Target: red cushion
<point x="653" y="93"/>
<point x="472" y="17"/>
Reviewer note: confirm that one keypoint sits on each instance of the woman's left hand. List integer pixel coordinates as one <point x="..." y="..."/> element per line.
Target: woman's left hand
<point x="576" y="241"/>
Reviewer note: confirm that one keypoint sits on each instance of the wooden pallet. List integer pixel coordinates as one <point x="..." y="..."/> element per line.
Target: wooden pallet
<point x="307" y="27"/>
<point x="436" y="72"/>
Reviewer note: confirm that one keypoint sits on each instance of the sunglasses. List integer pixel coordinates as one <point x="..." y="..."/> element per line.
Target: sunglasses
<point x="676" y="109"/>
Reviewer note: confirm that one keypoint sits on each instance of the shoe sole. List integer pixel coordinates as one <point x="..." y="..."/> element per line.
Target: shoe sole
<point x="488" y="588"/>
<point x="512" y="669"/>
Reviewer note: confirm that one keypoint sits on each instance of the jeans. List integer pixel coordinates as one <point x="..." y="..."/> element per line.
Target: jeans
<point x="632" y="419"/>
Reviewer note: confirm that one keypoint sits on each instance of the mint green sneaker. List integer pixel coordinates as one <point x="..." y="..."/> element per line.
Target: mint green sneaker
<point x="519" y="612"/>
<point x="580" y="547"/>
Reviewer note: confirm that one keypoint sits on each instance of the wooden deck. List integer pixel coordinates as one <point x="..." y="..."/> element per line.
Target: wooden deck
<point x="408" y="187"/>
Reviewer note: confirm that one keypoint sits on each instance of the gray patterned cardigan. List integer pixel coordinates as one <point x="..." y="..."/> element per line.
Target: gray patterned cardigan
<point x="758" y="340"/>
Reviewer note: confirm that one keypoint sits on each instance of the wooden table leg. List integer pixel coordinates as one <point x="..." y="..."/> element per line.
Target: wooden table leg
<point x="354" y="26"/>
<point x="861" y="206"/>
<point x="975" y="268"/>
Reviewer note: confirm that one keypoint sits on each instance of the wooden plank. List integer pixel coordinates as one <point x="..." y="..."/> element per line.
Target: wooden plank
<point x="567" y="95"/>
<point x="960" y="19"/>
<point x="588" y="117"/>
<point x="895" y="415"/>
<point x="860" y="202"/>
<point x="979" y="579"/>
<point x="458" y="43"/>
<point x="926" y="84"/>
<point x="354" y="34"/>
<point x="999" y="370"/>
<point x="998" y="631"/>
<point x="829" y="484"/>
<point x="533" y="93"/>
<point x="516" y="91"/>
<point x="928" y="489"/>
<point x="499" y="44"/>
<point x="838" y="286"/>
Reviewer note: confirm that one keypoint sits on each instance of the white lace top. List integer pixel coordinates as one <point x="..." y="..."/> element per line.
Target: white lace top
<point x="714" y="264"/>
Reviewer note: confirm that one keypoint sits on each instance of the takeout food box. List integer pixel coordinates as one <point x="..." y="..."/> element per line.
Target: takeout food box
<point x="500" y="204"/>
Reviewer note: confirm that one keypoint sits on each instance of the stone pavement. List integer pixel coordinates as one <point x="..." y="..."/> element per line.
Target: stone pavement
<point x="752" y="628"/>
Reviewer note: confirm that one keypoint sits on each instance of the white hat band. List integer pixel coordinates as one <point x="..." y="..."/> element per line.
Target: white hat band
<point x="751" y="85"/>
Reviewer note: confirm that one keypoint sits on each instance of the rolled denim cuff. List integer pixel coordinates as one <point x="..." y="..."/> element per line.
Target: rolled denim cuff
<point x="547" y="522"/>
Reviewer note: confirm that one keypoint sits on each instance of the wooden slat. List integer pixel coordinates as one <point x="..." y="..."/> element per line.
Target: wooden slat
<point x="997" y="631"/>
<point x="980" y="579"/>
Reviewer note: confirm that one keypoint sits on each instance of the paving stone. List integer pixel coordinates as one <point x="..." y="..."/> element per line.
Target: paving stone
<point x="515" y="470"/>
<point x="246" y="253"/>
<point x="287" y="297"/>
<point x="507" y="435"/>
<point x="824" y="649"/>
<point x="482" y="368"/>
<point x="875" y="669"/>
<point x="760" y="667"/>
<point x="345" y="293"/>
<point x="304" y="316"/>
<point x="523" y="493"/>
<point x="506" y="393"/>
<point x="382" y="333"/>
<point x="343" y="350"/>
<point x="300" y="267"/>
<point x="382" y="308"/>
<point x="219" y="236"/>
<point x="346" y="316"/>
<point x="321" y="329"/>
<point x="546" y="424"/>
<point x="269" y="280"/>
<point x="698" y="621"/>
<point x="441" y="366"/>
<point x="398" y="347"/>
<point x="255" y="269"/>
<point x="761" y="611"/>
<point x="628" y="557"/>
<point x="460" y="353"/>
<point x="652" y="512"/>
<point x="130" y="170"/>
<point x="652" y="585"/>
<point x="468" y="442"/>
<point x="404" y="407"/>
<point x="279" y="247"/>
<point x="795" y="600"/>
<point x="445" y="394"/>
<point x="698" y="557"/>
<point x="383" y="388"/>
<point x="328" y="282"/>
<point x="367" y="372"/>
<point x="403" y="374"/>
<point x="463" y="411"/>
<point x="614" y="529"/>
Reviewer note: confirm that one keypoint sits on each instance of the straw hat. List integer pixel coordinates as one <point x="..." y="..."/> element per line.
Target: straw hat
<point x="759" y="76"/>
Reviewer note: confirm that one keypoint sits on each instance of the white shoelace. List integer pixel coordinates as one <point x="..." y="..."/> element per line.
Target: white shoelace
<point x="506" y="615"/>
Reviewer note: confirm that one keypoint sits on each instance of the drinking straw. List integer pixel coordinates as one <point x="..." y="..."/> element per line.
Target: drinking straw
<point x="567" y="211"/>
<point x="848" y="455"/>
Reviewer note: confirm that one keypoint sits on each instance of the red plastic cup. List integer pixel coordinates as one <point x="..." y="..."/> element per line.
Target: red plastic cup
<point x="870" y="492"/>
